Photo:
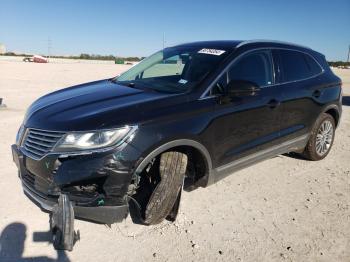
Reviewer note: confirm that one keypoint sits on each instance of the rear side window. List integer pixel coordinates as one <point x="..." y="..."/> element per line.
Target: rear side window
<point x="297" y="65"/>
<point x="255" y="67"/>
<point x="313" y="66"/>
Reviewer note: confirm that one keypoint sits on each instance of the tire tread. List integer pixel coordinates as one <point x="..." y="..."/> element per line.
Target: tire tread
<point x="172" y="170"/>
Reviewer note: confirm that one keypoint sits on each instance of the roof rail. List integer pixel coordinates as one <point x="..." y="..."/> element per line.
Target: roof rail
<point x="269" y="41"/>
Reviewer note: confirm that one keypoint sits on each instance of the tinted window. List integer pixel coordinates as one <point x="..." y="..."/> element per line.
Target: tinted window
<point x="313" y="66"/>
<point x="173" y="70"/>
<point x="255" y="67"/>
<point x="168" y="67"/>
<point x="297" y="65"/>
<point x="219" y="87"/>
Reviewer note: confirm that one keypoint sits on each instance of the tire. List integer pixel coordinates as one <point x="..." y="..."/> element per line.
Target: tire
<point x="312" y="150"/>
<point x="62" y="224"/>
<point x="172" y="169"/>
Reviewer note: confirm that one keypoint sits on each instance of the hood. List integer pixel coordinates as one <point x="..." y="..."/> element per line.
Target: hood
<point x="94" y="105"/>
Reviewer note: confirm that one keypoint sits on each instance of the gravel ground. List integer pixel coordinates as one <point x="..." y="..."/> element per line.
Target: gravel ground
<point x="283" y="209"/>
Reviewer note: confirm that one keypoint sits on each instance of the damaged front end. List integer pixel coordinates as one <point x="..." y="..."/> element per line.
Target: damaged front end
<point x="96" y="182"/>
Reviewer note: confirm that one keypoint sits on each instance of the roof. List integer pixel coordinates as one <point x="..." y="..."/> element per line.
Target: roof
<point x="271" y="42"/>
<point x="226" y="44"/>
<point x="232" y="44"/>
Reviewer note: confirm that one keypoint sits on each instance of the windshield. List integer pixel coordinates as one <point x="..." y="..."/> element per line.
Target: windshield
<point x="173" y="70"/>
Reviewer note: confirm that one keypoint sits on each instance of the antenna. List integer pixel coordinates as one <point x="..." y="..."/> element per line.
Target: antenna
<point x="164" y="40"/>
<point x="163" y="46"/>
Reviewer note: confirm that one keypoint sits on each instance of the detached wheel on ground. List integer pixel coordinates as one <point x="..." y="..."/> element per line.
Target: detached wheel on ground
<point x="167" y="179"/>
<point x="62" y="224"/>
<point x="321" y="139"/>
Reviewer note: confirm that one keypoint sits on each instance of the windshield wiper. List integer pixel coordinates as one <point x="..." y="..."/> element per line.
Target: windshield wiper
<point x="128" y="84"/>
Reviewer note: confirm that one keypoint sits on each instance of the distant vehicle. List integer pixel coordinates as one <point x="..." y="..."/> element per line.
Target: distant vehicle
<point x="183" y="118"/>
<point x="36" y="59"/>
<point x="28" y="59"/>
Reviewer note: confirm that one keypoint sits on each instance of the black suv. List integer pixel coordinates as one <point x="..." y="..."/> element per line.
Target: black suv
<point x="184" y="117"/>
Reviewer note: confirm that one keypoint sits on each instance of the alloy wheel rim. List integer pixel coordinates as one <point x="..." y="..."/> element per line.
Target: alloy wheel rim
<point x="324" y="138"/>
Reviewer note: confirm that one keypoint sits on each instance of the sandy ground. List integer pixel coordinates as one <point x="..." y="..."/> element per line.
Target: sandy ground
<point x="283" y="209"/>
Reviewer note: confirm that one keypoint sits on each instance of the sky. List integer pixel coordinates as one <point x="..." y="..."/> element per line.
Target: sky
<point x="136" y="28"/>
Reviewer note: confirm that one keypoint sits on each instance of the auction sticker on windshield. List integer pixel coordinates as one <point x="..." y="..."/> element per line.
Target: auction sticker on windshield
<point x="211" y="51"/>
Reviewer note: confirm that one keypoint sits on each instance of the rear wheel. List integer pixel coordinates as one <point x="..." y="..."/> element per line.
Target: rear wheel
<point x="166" y="180"/>
<point x="321" y="139"/>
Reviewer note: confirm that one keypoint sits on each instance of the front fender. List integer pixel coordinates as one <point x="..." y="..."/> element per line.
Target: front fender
<point x="143" y="162"/>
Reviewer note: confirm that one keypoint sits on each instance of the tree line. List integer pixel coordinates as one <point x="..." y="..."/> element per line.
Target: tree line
<point x="339" y="64"/>
<point x="135" y="58"/>
<point x="85" y="56"/>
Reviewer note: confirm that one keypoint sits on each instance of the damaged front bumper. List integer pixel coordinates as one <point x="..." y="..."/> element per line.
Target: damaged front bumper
<point x="97" y="184"/>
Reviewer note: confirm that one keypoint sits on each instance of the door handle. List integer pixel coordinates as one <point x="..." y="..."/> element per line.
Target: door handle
<point x="316" y="93"/>
<point x="273" y="103"/>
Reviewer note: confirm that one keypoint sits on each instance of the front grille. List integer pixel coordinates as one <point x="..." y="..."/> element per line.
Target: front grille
<point x="38" y="143"/>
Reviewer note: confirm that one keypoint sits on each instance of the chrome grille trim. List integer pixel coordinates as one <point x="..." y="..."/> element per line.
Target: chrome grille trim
<point x="42" y="139"/>
<point x="37" y="143"/>
<point x="45" y="133"/>
<point x="30" y="146"/>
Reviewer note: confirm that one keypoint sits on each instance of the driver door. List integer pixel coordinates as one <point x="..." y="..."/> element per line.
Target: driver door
<point x="246" y="124"/>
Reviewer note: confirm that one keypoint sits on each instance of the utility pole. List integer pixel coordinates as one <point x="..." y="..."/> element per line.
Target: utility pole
<point x="49" y="44"/>
<point x="348" y="60"/>
<point x="163" y="46"/>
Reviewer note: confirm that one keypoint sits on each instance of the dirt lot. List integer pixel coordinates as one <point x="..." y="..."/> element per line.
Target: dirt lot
<point x="283" y="209"/>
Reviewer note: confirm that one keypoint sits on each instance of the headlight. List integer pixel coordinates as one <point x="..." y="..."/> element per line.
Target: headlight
<point x="76" y="141"/>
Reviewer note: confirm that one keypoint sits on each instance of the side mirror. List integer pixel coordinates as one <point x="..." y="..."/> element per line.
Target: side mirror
<point x="242" y="88"/>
